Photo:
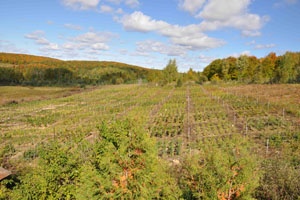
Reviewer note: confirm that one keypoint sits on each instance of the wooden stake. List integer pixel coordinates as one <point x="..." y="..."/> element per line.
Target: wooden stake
<point x="267" y="150"/>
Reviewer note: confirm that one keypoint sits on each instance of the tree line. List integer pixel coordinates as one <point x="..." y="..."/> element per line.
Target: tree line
<point x="19" y="69"/>
<point x="249" y="69"/>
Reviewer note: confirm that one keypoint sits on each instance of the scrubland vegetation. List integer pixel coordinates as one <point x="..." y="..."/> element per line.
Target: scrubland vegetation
<point x="170" y="140"/>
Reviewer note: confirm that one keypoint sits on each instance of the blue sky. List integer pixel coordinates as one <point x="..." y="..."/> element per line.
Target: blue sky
<point x="150" y="32"/>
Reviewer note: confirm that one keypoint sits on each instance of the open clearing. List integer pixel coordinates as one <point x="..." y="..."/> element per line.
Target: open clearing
<point x="185" y="121"/>
<point x="176" y="117"/>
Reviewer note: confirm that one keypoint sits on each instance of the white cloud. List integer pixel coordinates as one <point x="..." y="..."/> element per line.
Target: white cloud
<point x="89" y="44"/>
<point x="111" y="10"/>
<point x="73" y="26"/>
<point x="106" y="9"/>
<point x="38" y="37"/>
<point x="114" y="1"/>
<point x="218" y="14"/>
<point x="189" y="36"/>
<point x="7" y="46"/>
<point x="86" y="43"/>
<point x="119" y="11"/>
<point x="81" y="4"/>
<point x="282" y="3"/>
<point x="51" y="46"/>
<point x="192" y="6"/>
<point x="206" y="59"/>
<point x="260" y="46"/>
<point x="137" y="21"/>
<point x="264" y="46"/>
<point x="132" y="3"/>
<point x="200" y="41"/>
<point x="249" y="33"/>
<point x="100" y="46"/>
<point x="147" y="46"/>
<point x="252" y="42"/>
<point x="221" y="10"/>
<point x="90" y="40"/>
<point x="93" y="37"/>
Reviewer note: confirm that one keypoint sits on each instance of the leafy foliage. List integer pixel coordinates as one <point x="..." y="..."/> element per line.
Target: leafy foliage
<point x="222" y="171"/>
<point x="249" y="69"/>
<point x="126" y="166"/>
<point x="170" y="72"/>
<point x="54" y="178"/>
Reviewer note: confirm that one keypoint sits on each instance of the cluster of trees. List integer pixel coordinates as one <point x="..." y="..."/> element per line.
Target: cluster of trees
<point x="249" y="69"/>
<point x="170" y="75"/>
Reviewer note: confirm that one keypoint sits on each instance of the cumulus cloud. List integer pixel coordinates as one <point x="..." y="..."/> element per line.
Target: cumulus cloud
<point x="218" y="14"/>
<point x="137" y="21"/>
<point x="252" y="42"/>
<point x="147" y="46"/>
<point x="260" y="46"/>
<point x="82" y="44"/>
<point x="72" y="26"/>
<point x="39" y="38"/>
<point x="111" y="10"/>
<point x="81" y="4"/>
<point x="106" y="9"/>
<point x="281" y="3"/>
<point x="7" y="46"/>
<point x="189" y="36"/>
<point x="206" y="59"/>
<point x="114" y="1"/>
<point x="132" y="3"/>
<point x="191" y="6"/>
<point x="91" y="39"/>
<point x="221" y="10"/>
<point x="249" y="33"/>
<point x="199" y="41"/>
<point x="89" y="44"/>
<point x="264" y="46"/>
<point x="214" y="15"/>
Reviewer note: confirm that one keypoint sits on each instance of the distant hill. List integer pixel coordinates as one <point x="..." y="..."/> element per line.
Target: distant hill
<point x="39" y="70"/>
<point x="17" y="59"/>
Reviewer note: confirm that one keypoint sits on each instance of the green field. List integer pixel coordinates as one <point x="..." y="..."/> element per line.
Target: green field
<point x="146" y="142"/>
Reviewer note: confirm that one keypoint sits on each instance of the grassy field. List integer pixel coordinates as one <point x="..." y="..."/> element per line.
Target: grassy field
<point x="246" y="124"/>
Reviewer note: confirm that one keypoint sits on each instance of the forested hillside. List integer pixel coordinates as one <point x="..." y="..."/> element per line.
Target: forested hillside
<point x="249" y="69"/>
<point x="16" y="69"/>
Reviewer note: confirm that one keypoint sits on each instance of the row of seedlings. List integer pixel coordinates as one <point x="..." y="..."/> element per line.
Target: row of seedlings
<point x="168" y="124"/>
<point x="211" y="118"/>
<point x="268" y="124"/>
